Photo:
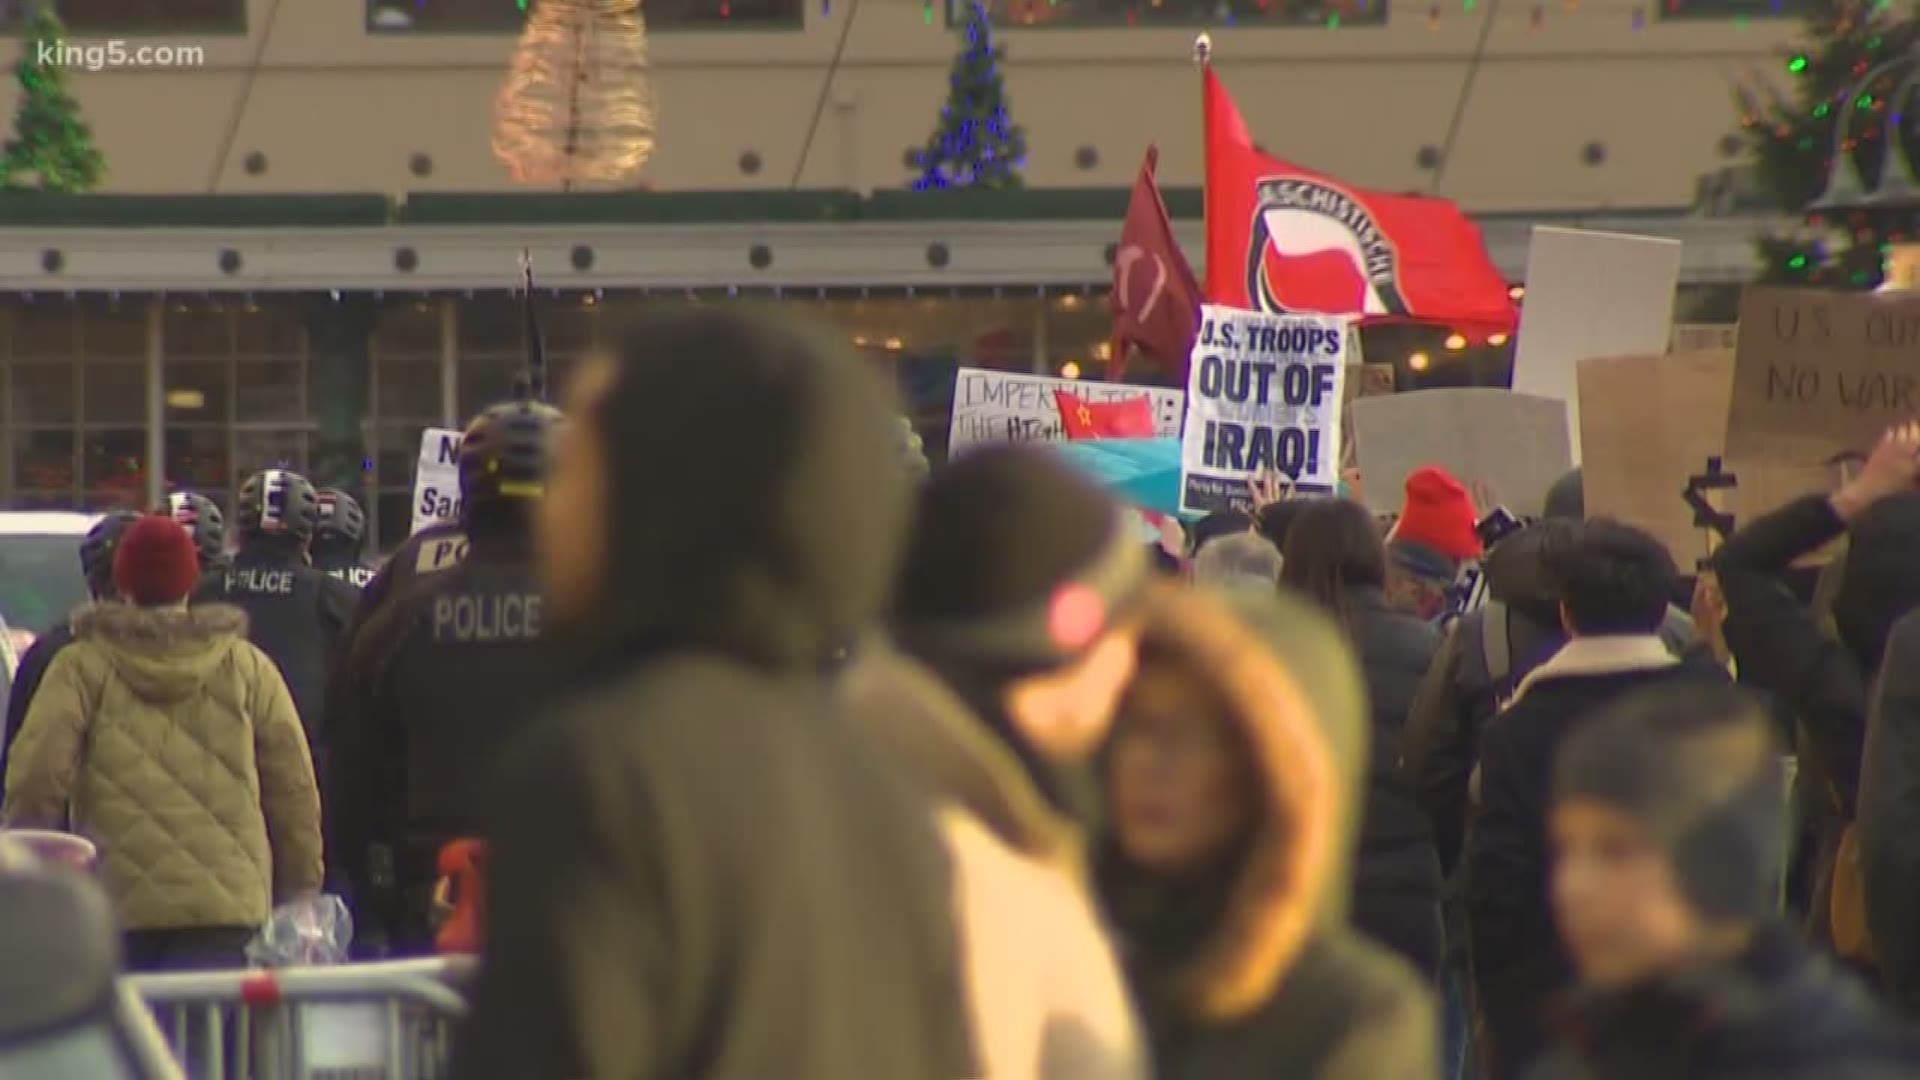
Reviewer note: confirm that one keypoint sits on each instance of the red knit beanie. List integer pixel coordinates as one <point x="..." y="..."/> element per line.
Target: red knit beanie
<point x="156" y="564"/>
<point x="1439" y="514"/>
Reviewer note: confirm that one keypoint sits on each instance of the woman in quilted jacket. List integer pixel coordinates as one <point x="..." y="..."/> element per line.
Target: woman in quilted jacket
<point x="169" y="741"/>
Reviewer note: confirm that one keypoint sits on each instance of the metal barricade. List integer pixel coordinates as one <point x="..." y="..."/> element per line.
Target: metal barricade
<point x="391" y="1020"/>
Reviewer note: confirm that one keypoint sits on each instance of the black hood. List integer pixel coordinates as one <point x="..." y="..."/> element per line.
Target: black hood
<point x="1778" y="1010"/>
<point x="757" y="507"/>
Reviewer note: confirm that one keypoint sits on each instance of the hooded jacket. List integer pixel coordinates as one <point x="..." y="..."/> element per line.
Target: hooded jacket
<point x="1253" y="973"/>
<point x="172" y="743"/>
<point x="1047" y="997"/>
<point x="699" y="867"/>
<point x="1518" y="960"/>
<point x="1777" y="1012"/>
<point x="1460" y="693"/>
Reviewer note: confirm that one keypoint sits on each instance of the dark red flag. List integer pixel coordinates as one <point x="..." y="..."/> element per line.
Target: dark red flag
<point x="1128" y="418"/>
<point x="1156" y="300"/>
<point x="1284" y="238"/>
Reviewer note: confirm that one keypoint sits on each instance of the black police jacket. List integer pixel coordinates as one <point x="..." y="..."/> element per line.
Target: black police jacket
<point x="296" y="615"/>
<point x="443" y="672"/>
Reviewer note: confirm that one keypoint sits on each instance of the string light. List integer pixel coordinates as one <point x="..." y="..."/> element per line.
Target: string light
<point x="1496" y="340"/>
<point x="1419" y="361"/>
<point x="1070" y="370"/>
<point x="576" y="107"/>
<point x="1456" y="342"/>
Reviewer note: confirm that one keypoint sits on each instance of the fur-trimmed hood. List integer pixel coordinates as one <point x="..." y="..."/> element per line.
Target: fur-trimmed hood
<point x="163" y="653"/>
<point x="926" y="728"/>
<point x="1290" y="881"/>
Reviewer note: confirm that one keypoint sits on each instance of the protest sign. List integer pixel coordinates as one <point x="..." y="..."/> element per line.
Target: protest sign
<point x="1264" y="393"/>
<point x="436" y="479"/>
<point x="1007" y="407"/>
<point x="1591" y="294"/>
<point x="1514" y="446"/>
<point x="1816" y="373"/>
<point x="1648" y="424"/>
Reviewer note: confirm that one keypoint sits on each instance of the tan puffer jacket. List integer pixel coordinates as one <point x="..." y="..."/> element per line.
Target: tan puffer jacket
<point x="172" y="743"/>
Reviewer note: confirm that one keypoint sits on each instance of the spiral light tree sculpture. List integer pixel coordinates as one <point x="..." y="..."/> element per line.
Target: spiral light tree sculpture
<point x="576" y="109"/>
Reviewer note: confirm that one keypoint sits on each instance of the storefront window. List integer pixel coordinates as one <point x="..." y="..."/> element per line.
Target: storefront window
<point x="269" y="448"/>
<point x="197" y="459"/>
<point x="113" y="392"/>
<point x="113" y="470"/>
<point x="504" y="16"/>
<point x="196" y="391"/>
<point x="1071" y="14"/>
<point x="191" y="330"/>
<point x="407" y="388"/>
<point x="44" y="392"/>
<point x="43" y="464"/>
<point x="270" y="390"/>
<point x="148" y="16"/>
<point x="43" y="330"/>
<point x="113" y="328"/>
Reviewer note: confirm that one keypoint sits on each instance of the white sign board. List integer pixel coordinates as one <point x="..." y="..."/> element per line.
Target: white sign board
<point x="1005" y="407"/>
<point x="1591" y="294"/>
<point x="1263" y="395"/>
<point x="436" y="479"/>
<point x="1510" y="446"/>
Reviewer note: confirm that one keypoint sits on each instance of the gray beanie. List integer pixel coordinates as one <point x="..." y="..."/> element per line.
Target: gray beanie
<point x="1698" y="766"/>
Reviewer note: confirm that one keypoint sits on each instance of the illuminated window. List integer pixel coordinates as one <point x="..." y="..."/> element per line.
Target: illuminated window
<point x="1332" y="14"/>
<point x="140" y="16"/>
<point x="505" y="16"/>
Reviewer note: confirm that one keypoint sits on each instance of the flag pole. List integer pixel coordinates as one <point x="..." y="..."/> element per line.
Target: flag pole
<point x="1203" y="60"/>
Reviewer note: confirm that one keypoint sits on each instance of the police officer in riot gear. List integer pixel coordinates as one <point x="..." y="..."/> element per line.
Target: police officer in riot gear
<point x="201" y="517"/>
<point x="441" y="675"/>
<point x="338" y="538"/>
<point x="296" y="614"/>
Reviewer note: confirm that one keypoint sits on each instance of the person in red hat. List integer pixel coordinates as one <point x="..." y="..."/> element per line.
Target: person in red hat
<point x="1435" y="533"/>
<point x="165" y="738"/>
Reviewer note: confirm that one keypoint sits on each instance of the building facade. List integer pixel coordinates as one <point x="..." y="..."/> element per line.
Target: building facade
<point x="1514" y="106"/>
<point x="180" y="355"/>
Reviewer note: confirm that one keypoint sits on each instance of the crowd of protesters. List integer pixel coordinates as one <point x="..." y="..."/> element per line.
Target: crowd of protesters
<point x="788" y="758"/>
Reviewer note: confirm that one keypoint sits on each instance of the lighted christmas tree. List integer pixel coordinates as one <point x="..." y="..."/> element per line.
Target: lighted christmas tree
<point x="51" y="148"/>
<point x="1835" y="149"/>
<point x="576" y="108"/>
<point x="976" y="145"/>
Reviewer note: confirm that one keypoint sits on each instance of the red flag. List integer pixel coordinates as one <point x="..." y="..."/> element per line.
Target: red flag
<point x="1128" y="418"/>
<point x="1284" y="238"/>
<point x="1156" y="301"/>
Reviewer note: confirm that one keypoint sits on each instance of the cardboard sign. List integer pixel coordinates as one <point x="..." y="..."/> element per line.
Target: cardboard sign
<point x="1512" y="446"/>
<point x="1591" y="294"/>
<point x="1648" y="424"/>
<point x="1816" y="373"/>
<point x="436" y="479"/>
<point x="1006" y="407"/>
<point x="1264" y="393"/>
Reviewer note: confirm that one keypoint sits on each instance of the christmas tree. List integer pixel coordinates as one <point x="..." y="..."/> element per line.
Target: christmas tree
<point x="576" y="107"/>
<point x="1835" y="151"/>
<point x="51" y="148"/>
<point x="975" y="146"/>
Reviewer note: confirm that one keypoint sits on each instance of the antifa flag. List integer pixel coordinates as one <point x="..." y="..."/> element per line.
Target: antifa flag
<point x="1281" y="238"/>
<point x="1156" y="301"/>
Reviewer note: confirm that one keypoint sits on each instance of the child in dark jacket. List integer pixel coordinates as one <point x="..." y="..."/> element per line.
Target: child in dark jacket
<point x="1669" y="829"/>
